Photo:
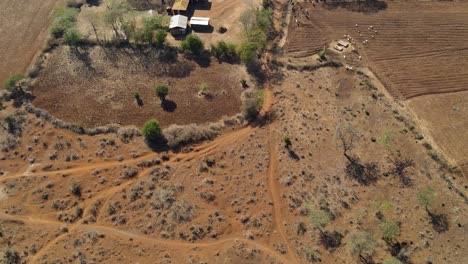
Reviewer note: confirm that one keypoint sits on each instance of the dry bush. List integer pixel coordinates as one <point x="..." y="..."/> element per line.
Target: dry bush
<point x="128" y="133"/>
<point x="182" y="211"/>
<point x="129" y="172"/>
<point x="177" y="135"/>
<point x="8" y="141"/>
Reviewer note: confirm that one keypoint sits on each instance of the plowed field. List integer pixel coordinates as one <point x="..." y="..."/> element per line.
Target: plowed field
<point x="416" y="47"/>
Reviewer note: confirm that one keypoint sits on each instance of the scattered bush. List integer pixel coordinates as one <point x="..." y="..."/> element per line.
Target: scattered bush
<point x="192" y="44"/>
<point x="15" y="123"/>
<point x="362" y="244"/>
<point x="11" y="256"/>
<point x="75" y="188"/>
<point x="390" y="230"/>
<point x="12" y="81"/>
<point x="177" y="135"/>
<point x="287" y="142"/>
<point x="64" y="20"/>
<point x="152" y="130"/>
<point x="127" y="133"/>
<point x="129" y="172"/>
<point x="161" y="91"/>
<point x="331" y="240"/>
<point x="225" y="51"/>
<point x="182" y="212"/>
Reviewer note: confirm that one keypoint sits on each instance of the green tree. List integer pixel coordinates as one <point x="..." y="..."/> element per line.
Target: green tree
<point x="362" y="244"/>
<point x="12" y="81"/>
<point x="64" y="19"/>
<point x="426" y="197"/>
<point x="225" y="51"/>
<point x="390" y="230"/>
<point x="161" y="91"/>
<point x="192" y="44"/>
<point x="287" y="142"/>
<point x="152" y="130"/>
<point x="161" y="38"/>
<point x="114" y="15"/>
<point x="322" y="54"/>
<point x="319" y="219"/>
<point x="150" y="25"/>
<point x="72" y="37"/>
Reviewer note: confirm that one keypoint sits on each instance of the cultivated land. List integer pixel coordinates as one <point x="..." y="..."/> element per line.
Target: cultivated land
<point x="332" y="154"/>
<point x="23" y="27"/>
<point x="97" y="88"/>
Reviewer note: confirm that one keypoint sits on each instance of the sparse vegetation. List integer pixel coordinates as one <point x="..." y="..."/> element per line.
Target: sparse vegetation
<point x="11" y="256"/>
<point x="390" y="230"/>
<point x="11" y="82"/>
<point x="362" y="244"/>
<point x="63" y="21"/>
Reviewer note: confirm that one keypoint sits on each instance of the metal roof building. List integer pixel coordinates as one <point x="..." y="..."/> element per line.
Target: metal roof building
<point x="200" y="21"/>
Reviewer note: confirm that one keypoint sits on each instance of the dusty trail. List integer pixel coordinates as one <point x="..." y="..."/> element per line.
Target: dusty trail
<point x="275" y="193"/>
<point x="200" y="150"/>
<point x="117" y="232"/>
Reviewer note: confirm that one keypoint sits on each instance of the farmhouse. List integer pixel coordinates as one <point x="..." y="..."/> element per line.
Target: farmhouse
<point x="178" y="25"/>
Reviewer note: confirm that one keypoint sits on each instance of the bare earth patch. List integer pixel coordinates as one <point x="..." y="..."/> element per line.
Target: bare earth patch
<point x="97" y="87"/>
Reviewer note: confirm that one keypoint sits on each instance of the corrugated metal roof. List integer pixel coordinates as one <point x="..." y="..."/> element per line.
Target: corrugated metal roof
<point x="201" y="21"/>
<point x="181" y="5"/>
<point x="178" y="21"/>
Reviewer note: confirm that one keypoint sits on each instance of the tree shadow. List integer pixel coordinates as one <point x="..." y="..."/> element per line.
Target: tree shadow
<point x="140" y="102"/>
<point x="366" y="7"/>
<point x="203" y="59"/>
<point x="93" y="2"/>
<point x="202" y="29"/>
<point x="169" y="105"/>
<point x="293" y="155"/>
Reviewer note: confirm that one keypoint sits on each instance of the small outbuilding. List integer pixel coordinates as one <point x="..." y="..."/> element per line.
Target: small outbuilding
<point x="180" y="6"/>
<point x="178" y="25"/>
<point x="199" y="21"/>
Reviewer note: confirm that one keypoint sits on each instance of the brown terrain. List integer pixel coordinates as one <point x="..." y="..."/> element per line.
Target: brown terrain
<point x="24" y="28"/>
<point x="74" y="86"/>
<point x="243" y="197"/>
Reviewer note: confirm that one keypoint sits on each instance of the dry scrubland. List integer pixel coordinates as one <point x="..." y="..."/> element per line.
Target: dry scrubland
<point x="335" y="157"/>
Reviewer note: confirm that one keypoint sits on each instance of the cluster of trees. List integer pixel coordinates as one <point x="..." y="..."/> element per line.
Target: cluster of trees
<point x="64" y="25"/>
<point x="257" y="29"/>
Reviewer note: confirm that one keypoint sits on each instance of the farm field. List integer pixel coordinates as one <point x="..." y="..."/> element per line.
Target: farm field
<point x="420" y="47"/>
<point x="99" y="88"/>
<point x="323" y="159"/>
<point x="24" y="28"/>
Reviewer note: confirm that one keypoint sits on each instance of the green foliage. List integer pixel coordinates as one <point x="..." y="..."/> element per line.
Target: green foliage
<point x="114" y="15"/>
<point x="72" y="37"/>
<point x="390" y="229"/>
<point x="152" y="130"/>
<point x="12" y="81"/>
<point x="319" y="218"/>
<point x="392" y="260"/>
<point x="252" y="103"/>
<point x="426" y="197"/>
<point x="362" y="244"/>
<point x="160" y="37"/>
<point x="257" y="27"/>
<point x="322" y="54"/>
<point x="161" y="91"/>
<point x="150" y="25"/>
<point x="203" y="87"/>
<point x="387" y="138"/>
<point x="192" y="44"/>
<point x="64" y="20"/>
<point x="287" y="142"/>
<point x="225" y="51"/>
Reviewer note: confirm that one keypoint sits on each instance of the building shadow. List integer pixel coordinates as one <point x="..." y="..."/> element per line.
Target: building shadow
<point x="202" y="29"/>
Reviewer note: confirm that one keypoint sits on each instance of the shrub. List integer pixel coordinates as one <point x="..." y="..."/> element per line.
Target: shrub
<point x="12" y="81"/>
<point x="75" y="188"/>
<point x="177" y="135"/>
<point x="182" y="211"/>
<point x="319" y="219"/>
<point x="192" y="44"/>
<point x="222" y="29"/>
<point x="362" y="244"/>
<point x="225" y="51"/>
<point x="287" y="142"/>
<point x="72" y="37"/>
<point x="150" y="25"/>
<point x="64" y="20"/>
<point x="160" y="37"/>
<point x="322" y="54"/>
<point x="161" y="91"/>
<point x="426" y="197"/>
<point x="152" y="130"/>
<point x="392" y="260"/>
<point x="390" y="230"/>
<point x="11" y="256"/>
